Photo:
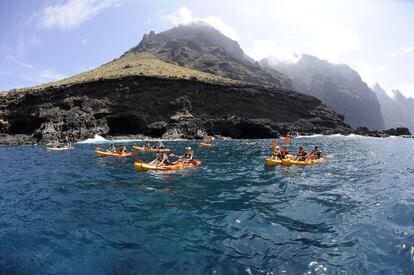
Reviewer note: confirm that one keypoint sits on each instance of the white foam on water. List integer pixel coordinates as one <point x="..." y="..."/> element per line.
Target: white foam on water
<point x="94" y="140"/>
<point x="97" y="139"/>
<point x="310" y="136"/>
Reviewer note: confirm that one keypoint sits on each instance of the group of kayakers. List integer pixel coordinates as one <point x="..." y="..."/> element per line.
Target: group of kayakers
<point x="280" y="153"/>
<point x="150" y="146"/>
<point x="112" y="149"/>
<point x="162" y="158"/>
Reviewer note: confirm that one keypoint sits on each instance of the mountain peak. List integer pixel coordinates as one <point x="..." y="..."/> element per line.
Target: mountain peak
<point x="200" y="46"/>
<point x="194" y="31"/>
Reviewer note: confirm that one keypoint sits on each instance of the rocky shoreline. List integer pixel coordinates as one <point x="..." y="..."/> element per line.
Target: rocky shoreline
<point x="15" y="140"/>
<point x="161" y="108"/>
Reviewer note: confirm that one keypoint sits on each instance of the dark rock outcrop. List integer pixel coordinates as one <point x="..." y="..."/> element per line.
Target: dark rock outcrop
<point x="400" y="131"/>
<point x="337" y="85"/>
<point x="171" y="108"/>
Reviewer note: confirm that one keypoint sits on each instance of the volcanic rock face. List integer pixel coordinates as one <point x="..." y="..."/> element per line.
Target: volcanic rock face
<point x="338" y="86"/>
<point x="201" y="47"/>
<point x="170" y="108"/>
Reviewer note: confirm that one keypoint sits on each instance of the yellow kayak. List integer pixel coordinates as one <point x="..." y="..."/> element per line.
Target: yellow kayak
<point x="142" y="167"/>
<point x="205" y="145"/>
<point x="272" y="162"/>
<point x="142" y="149"/>
<point x="111" y="154"/>
<point x="59" y="149"/>
<point x="297" y="162"/>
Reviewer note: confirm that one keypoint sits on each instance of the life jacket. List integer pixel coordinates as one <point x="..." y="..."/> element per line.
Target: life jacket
<point x="302" y="153"/>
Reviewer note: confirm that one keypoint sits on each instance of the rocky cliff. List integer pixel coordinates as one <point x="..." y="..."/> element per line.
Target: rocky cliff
<point x="162" y="107"/>
<point x="148" y="91"/>
<point x="337" y="85"/>
<point x="394" y="110"/>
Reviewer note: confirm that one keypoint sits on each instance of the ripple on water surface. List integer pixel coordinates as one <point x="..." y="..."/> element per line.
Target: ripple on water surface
<point x="73" y="213"/>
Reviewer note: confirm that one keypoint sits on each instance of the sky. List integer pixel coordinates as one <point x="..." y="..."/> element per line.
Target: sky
<point x="43" y="41"/>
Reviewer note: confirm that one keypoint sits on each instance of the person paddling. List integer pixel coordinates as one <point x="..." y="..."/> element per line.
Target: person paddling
<point x="302" y="154"/>
<point x="161" y="159"/>
<point x="315" y="154"/>
<point x="208" y="140"/>
<point x="276" y="153"/>
<point x="285" y="153"/>
<point x="56" y="143"/>
<point x="112" y="148"/>
<point x="187" y="157"/>
<point x="122" y="149"/>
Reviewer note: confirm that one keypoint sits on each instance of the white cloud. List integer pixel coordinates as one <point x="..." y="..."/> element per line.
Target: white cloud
<point x="402" y="51"/>
<point x="332" y="41"/>
<point x="369" y="73"/>
<point x="263" y="48"/>
<point x="303" y="26"/>
<point x="181" y="16"/>
<point x="184" y="16"/>
<point x="218" y="23"/>
<point x="19" y="62"/>
<point x="406" y="89"/>
<point x="44" y="76"/>
<point x="85" y="40"/>
<point x="71" y="14"/>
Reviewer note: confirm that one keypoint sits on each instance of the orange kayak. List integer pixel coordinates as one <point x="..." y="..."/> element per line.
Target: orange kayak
<point x="140" y="166"/>
<point x="142" y="149"/>
<point x="111" y="154"/>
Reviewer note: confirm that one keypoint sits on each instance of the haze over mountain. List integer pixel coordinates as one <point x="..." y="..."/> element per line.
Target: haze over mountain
<point x="337" y="85"/>
<point x="397" y="110"/>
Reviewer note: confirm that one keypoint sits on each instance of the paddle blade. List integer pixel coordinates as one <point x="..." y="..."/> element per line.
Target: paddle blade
<point x="329" y="156"/>
<point x="286" y="140"/>
<point x="274" y="143"/>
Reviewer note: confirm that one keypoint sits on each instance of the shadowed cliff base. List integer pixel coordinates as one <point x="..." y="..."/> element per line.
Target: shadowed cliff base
<point x="162" y="108"/>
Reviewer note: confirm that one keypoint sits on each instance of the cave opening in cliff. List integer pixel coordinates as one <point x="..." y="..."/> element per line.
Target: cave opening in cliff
<point x="24" y="125"/>
<point x="125" y="125"/>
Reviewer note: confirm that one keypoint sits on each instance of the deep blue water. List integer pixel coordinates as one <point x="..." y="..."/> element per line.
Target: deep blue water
<point x="73" y="213"/>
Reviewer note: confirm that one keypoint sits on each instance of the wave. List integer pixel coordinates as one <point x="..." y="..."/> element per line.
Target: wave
<point x="97" y="139"/>
<point x="310" y="136"/>
<point x="340" y="135"/>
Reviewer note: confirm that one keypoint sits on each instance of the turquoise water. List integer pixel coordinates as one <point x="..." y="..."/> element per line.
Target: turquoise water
<point x="73" y="213"/>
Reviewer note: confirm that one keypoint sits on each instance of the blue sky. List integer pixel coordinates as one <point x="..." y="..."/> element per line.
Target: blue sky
<point x="42" y="41"/>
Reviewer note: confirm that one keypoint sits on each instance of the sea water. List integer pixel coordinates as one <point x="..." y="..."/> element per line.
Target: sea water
<point x="70" y="212"/>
